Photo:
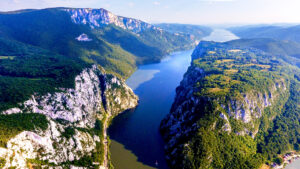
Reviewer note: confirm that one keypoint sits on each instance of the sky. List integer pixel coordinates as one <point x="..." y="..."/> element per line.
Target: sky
<point x="203" y="12"/>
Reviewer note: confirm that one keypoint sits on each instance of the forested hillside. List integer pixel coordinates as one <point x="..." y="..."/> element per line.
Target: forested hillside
<point x="43" y="50"/>
<point x="117" y="48"/>
<point x="25" y="70"/>
<point x="235" y="108"/>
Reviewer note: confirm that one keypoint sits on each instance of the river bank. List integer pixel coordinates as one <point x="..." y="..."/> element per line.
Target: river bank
<point x="135" y="138"/>
<point x="288" y="161"/>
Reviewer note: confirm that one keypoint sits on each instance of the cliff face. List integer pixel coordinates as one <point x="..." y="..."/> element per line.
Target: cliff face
<point x="219" y="97"/>
<point x="72" y="117"/>
<point x="96" y="18"/>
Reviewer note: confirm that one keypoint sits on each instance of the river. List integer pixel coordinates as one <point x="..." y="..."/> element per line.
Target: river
<point x="294" y="165"/>
<point x="135" y="139"/>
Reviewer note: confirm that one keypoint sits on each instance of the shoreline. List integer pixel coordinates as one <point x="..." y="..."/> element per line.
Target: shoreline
<point x="288" y="158"/>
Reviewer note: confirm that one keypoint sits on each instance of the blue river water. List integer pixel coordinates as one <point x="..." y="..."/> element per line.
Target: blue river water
<point x="135" y="139"/>
<point x="294" y="165"/>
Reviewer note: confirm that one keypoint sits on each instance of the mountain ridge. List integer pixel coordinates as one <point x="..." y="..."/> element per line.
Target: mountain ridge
<point x="53" y="29"/>
<point x="276" y="32"/>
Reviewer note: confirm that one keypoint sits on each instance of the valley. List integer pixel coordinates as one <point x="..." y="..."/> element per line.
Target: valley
<point x="86" y="88"/>
<point x="62" y="81"/>
<point x="136" y="133"/>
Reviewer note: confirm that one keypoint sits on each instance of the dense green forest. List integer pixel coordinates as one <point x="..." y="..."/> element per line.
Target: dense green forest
<point x="230" y="73"/>
<point x="118" y="50"/>
<point x="12" y="125"/>
<point x="25" y="70"/>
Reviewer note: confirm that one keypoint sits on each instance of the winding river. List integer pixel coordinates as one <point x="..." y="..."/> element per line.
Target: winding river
<point x="135" y="139"/>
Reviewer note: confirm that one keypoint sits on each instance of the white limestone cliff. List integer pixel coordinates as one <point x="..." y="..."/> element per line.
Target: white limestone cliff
<point x="96" y="95"/>
<point x="96" y="18"/>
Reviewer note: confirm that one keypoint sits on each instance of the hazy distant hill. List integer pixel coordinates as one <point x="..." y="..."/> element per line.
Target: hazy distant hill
<point x="283" y="33"/>
<point x="288" y="50"/>
<point x="196" y="31"/>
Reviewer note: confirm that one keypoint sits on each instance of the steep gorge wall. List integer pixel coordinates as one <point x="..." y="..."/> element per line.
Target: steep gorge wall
<point x="96" y="96"/>
<point x="238" y="115"/>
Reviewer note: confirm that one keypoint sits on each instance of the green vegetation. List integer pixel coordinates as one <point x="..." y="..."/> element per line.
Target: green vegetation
<point x="28" y="67"/>
<point x="92" y="161"/>
<point x="12" y="125"/>
<point x="117" y="50"/>
<point x="36" y="163"/>
<point x="69" y="132"/>
<point x="2" y="162"/>
<point x="230" y="73"/>
<point x="283" y="135"/>
<point x="43" y="55"/>
<point x="289" y="51"/>
<point x="33" y="70"/>
<point x="97" y="155"/>
<point x="224" y="151"/>
<point x="233" y="73"/>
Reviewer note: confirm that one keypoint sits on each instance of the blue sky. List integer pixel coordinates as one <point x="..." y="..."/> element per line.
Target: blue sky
<point x="182" y="11"/>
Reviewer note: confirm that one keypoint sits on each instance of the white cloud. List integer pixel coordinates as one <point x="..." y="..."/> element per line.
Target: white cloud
<point x="131" y="4"/>
<point x="156" y="3"/>
<point x="16" y="1"/>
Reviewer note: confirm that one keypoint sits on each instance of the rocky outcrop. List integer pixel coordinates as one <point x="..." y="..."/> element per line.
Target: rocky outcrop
<point x="96" y="96"/>
<point x="96" y="18"/>
<point x="83" y="38"/>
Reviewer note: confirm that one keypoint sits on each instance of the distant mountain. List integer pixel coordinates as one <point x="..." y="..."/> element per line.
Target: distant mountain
<point x="195" y="31"/>
<point x="288" y="50"/>
<point x="116" y="43"/>
<point x="283" y="33"/>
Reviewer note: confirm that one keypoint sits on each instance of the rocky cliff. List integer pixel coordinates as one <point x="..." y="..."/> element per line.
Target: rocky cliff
<point x="221" y="105"/>
<point x="96" y="18"/>
<point x="76" y="120"/>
